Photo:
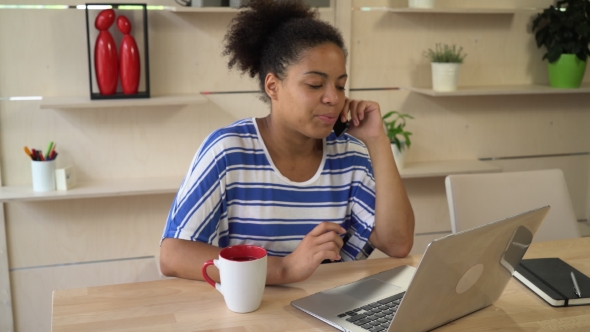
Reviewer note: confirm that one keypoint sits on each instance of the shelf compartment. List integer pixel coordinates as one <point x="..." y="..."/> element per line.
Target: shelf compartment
<point x="428" y="169"/>
<point x="405" y="10"/>
<point x="85" y="102"/>
<point x="176" y="9"/>
<point x="500" y="90"/>
<point x="94" y="189"/>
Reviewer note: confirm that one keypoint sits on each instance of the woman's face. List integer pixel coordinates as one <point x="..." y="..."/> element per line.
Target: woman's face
<point x="311" y="97"/>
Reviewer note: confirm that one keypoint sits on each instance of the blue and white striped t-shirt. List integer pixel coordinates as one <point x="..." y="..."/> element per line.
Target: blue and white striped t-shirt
<point x="233" y="194"/>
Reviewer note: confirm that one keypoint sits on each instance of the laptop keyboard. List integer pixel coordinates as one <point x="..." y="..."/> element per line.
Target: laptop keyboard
<point x="376" y="316"/>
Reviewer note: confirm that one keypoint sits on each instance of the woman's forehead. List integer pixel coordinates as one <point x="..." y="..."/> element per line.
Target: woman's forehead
<point x="325" y="58"/>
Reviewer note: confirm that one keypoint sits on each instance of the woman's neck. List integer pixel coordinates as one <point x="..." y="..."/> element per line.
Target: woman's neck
<point x="295" y="156"/>
<point x="286" y="142"/>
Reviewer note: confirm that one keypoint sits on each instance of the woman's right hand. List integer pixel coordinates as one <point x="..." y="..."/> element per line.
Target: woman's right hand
<point x="323" y="242"/>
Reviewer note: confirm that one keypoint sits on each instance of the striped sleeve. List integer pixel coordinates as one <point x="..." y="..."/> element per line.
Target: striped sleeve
<point x="199" y="205"/>
<point x="354" y="163"/>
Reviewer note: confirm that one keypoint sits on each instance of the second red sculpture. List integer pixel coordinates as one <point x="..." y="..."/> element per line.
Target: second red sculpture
<point x="128" y="57"/>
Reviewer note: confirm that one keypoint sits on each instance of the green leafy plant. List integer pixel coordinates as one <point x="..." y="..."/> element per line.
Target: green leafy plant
<point x="445" y="53"/>
<point x="564" y="29"/>
<point x="395" y="129"/>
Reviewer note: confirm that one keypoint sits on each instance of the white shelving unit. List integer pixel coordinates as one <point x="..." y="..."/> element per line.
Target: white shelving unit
<point x="500" y="90"/>
<point x="404" y="10"/>
<point x="170" y="185"/>
<point x="428" y="169"/>
<point x="86" y="102"/>
<point x="94" y="189"/>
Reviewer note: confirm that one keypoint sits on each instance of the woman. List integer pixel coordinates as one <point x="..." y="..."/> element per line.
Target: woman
<point x="286" y="182"/>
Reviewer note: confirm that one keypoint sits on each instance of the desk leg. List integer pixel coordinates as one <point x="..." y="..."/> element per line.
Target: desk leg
<point x="6" y="320"/>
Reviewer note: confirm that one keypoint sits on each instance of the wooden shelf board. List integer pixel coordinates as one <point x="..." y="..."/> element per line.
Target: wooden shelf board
<point x="86" y="102"/>
<point x="177" y="9"/>
<point x="94" y="189"/>
<point x="170" y="185"/>
<point x="500" y="90"/>
<point x="403" y="10"/>
<point x="443" y="168"/>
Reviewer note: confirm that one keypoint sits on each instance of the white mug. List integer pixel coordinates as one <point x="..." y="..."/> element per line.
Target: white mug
<point x="242" y="270"/>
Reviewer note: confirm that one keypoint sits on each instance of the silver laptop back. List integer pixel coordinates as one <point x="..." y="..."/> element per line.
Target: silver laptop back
<point x="466" y="271"/>
<point x="458" y="274"/>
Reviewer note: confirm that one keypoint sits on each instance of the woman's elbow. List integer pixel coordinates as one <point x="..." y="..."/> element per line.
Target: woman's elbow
<point x="402" y="249"/>
<point x="405" y="249"/>
<point x="165" y="268"/>
<point x="399" y="248"/>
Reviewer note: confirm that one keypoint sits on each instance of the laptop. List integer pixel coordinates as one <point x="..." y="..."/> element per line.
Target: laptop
<point x="457" y="275"/>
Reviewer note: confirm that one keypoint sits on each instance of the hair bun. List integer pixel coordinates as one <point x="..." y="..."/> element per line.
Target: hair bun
<point x="250" y="30"/>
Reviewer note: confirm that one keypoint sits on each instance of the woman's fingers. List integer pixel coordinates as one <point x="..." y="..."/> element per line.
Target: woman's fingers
<point x="325" y="227"/>
<point x="321" y="243"/>
<point x="344" y="112"/>
<point x="353" y="112"/>
<point x="357" y="109"/>
<point x="325" y="243"/>
<point x="329" y="237"/>
<point x="361" y="107"/>
<point x="329" y="251"/>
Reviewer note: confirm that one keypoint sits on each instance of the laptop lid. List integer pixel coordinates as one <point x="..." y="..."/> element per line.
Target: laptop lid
<point x="466" y="271"/>
<point x="458" y="274"/>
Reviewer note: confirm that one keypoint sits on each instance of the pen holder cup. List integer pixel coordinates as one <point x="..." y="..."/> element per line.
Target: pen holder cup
<point x="43" y="173"/>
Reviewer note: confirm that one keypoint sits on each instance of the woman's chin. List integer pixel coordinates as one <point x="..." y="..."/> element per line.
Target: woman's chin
<point x="323" y="134"/>
<point x="318" y="133"/>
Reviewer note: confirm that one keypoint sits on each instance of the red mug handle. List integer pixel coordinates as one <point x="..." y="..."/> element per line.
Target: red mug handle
<point x="205" y="275"/>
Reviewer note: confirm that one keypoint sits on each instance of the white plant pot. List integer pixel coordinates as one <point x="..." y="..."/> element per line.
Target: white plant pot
<point x="445" y="76"/>
<point x="421" y="3"/>
<point x="399" y="156"/>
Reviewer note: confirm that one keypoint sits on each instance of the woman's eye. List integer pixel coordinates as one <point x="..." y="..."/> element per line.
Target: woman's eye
<point x="340" y="88"/>
<point x="314" y="86"/>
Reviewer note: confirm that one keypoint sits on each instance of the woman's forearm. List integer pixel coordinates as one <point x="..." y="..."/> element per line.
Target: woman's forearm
<point x="184" y="259"/>
<point x="394" y="216"/>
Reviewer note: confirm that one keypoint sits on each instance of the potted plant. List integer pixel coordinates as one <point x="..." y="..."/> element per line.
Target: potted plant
<point x="421" y="3"/>
<point x="398" y="136"/>
<point x="564" y="29"/>
<point x="446" y="61"/>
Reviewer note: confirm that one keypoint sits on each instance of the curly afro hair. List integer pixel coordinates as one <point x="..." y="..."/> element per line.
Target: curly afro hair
<point x="270" y="35"/>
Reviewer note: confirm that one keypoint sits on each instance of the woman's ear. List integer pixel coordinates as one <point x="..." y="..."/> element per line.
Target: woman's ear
<point x="271" y="86"/>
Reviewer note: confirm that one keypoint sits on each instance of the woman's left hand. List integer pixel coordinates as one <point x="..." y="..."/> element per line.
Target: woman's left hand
<point x="365" y="119"/>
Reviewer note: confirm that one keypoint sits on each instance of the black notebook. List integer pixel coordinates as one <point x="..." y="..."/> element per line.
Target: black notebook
<point x="550" y="278"/>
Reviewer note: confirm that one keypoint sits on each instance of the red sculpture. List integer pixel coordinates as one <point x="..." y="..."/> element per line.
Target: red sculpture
<point x="106" y="63"/>
<point x="129" y="58"/>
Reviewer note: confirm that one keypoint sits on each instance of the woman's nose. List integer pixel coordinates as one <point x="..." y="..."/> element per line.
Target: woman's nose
<point x="331" y="96"/>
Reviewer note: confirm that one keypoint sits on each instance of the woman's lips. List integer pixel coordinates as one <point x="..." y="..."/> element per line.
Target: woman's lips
<point x="328" y="119"/>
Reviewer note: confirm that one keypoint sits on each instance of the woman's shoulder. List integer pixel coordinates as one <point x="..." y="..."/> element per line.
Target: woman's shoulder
<point x="244" y="127"/>
<point x="233" y="133"/>
<point x="240" y="134"/>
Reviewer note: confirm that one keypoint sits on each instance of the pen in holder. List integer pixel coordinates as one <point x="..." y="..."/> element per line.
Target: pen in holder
<point x="43" y="168"/>
<point x="43" y="173"/>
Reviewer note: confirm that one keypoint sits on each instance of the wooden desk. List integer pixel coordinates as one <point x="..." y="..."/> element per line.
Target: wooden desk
<point x="183" y="305"/>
